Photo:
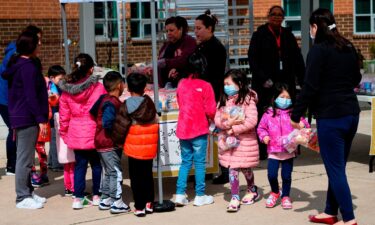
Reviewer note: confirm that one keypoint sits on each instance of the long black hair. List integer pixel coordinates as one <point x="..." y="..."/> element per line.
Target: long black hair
<point x="82" y="65"/>
<point x="26" y="44"/>
<point x="240" y="79"/>
<point x="277" y="89"/>
<point x="208" y="20"/>
<point x="328" y="31"/>
<point x="197" y="65"/>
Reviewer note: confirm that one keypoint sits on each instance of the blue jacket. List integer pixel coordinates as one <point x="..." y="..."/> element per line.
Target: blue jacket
<point x="9" y="51"/>
<point x="28" y="98"/>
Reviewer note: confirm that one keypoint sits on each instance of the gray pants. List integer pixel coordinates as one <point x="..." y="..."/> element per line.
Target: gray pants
<point x="53" y="161"/>
<point x="26" y="141"/>
<point x="111" y="185"/>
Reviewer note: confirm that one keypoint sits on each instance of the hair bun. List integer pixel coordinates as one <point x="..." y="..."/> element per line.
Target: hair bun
<point x="208" y="12"/>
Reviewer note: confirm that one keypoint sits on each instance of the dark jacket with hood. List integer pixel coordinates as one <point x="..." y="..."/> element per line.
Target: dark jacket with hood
<point x="28" y="98"/>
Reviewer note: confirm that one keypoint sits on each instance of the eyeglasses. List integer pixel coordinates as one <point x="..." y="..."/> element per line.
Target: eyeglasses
<point x="276" y="15"/>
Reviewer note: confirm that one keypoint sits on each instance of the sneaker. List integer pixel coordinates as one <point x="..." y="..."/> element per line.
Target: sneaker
<point x="37" y="198"/>
<point x="272" y="200"/>
<point x="105" y="203"/>
<point x="80" y="203"/>
<point x="251" y="196"/>
<point x="36" y="181"/>
<point x="234" y="205"/>
<point x="181" y="200"/>
<point x="10" y="172"/>
<point x="44" y="179"/>
<point x="149" y="207"/>
<point x="29" y="203"/>
<point x="68" y="193"/>
<point x="96" y="200"/>
<point x="140" y="213"/>
<point x="119" y="207"/>
<point x="203" y="200"/>
<point x="286" y="203"/>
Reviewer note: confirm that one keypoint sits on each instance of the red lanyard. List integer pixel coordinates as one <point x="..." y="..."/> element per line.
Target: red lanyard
<point x="278" y="42"/>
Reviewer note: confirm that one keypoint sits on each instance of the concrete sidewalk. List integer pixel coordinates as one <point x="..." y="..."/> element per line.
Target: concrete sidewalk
<point x="308" y="195"/>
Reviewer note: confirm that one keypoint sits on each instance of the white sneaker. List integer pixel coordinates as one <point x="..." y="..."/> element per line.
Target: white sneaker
<point x="80" y="203"/>
<point x="37" y="198"/>
<point x="96" y="200"/>
<point x="105" y="203"/>
<point x="203" y="200"/>
<point x="181" y="200"/>
<point x="29" y="203"/>
<point x="119" y="207"/>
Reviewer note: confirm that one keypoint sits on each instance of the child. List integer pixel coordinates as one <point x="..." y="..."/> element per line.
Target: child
<point x="196" y="100"/>
<point x="238" y="97"/>
<point x="137" y="125"/>
<point x="77" y="127"/>
<point x="104" y="111"/>
<point x="273" y="128"/>
<point x="55" y="73"/>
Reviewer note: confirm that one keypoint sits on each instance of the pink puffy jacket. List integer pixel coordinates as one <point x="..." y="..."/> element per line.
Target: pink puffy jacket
<point x="246" y="155"/>
<point x="77" y="125"/>
<point x="276" y="128"/>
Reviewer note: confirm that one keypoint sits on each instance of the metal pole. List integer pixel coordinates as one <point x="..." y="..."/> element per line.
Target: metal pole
<point x="156" y="90"/>
<point x="235" y="30"/>
<point x="119" y="37"/>
<point x="65" y="34"/>
<point x="251" y="17"/>
<point x="124" y="43"/>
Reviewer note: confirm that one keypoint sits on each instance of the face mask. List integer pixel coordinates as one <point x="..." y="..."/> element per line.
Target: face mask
<point x="283" y="103"/>
<point x="230" y="90"/>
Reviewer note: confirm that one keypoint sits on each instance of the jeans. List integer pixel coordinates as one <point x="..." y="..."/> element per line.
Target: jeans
<point x="335" y="140"/>
<point x="83" y="157"/>
<point x="193" y="150"/>
<point x="10" y="143"/>
<point x="286" y="175"/>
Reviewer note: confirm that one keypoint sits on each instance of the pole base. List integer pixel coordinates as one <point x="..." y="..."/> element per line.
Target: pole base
<point x="165" y="206"/>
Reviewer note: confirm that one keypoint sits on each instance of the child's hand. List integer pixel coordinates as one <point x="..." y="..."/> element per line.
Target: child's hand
<point x="234" y="121"/>
<point x="295" y="125"/>
<point x="230" y="132"/>
<point x="266" y="140"/>
<point x="301" y="125"/>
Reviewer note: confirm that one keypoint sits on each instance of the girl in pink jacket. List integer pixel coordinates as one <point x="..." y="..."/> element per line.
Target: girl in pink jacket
<point x="196" y="100"/>
<point x="273" y="128"/>
<point x="77" y="126"/>
<point x="245" y="155"/>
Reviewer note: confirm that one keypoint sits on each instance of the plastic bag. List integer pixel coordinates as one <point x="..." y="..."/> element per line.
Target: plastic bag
<point x="227" y="142"/>
<point x="233" y="112"/>
<point x="307" y="137"/>
<point x="64" y="154"/>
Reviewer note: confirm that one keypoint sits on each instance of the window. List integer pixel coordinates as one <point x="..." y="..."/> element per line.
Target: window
<point x="105" y="14"/>
<point x="292" y="10"/>
<point x="140" y="22"/>
<point x="364" y="17"/>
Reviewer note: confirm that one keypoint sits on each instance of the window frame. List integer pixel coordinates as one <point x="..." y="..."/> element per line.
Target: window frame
<point x="105" y="21"/>
<point x="372" y="19"/>
<point x="144" y="21"/>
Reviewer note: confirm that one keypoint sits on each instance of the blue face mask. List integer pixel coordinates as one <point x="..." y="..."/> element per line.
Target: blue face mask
<point x="230" y="90"/>
<point x="283" y="103"/>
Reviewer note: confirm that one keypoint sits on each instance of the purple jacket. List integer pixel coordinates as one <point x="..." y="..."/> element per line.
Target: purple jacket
<point x="27" y="94"/>
<point x="276" y="128"/>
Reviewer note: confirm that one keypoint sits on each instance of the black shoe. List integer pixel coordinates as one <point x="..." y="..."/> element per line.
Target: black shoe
<point x="222" y="179"/>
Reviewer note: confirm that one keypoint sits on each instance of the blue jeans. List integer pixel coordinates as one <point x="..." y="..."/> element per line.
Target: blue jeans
<point x="335" y="140"/>
<point x="10" y="143"/>
<point x="193" y="150"/>
<point x="286" y="175"/>
<point x="83" y="157"/>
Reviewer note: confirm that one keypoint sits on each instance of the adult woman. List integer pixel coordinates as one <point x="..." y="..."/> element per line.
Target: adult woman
<point x="212" y="49"/>
<point x="216" y="56"/>
<point x="332" y="73"/>
<point x="28" y="113"/>
<point x="274" y="56"/>
<point x="174" y="53"/>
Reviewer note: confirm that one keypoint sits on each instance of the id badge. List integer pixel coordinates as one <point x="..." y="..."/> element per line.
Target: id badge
<point x="281" y="65"/>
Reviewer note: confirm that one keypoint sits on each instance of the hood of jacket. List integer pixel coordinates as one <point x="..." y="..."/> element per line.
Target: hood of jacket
<point x="80" y="90"/>
<point x="8" y="73"/>
<point x="145" y="112"/>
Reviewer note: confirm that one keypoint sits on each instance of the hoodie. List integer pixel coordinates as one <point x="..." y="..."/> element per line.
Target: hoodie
<point x="28" y="98"/>
<point x="9" y="51"/>
<point x="77" y="125"/>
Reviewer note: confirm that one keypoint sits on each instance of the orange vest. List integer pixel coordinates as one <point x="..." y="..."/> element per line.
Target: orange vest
<point x="142" y="141"/>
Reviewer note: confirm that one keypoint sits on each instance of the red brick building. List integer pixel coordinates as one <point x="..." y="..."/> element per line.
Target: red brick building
<point x="355" y="19"/>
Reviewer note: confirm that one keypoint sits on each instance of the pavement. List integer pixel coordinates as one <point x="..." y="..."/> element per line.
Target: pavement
<point x="308" y="194"/>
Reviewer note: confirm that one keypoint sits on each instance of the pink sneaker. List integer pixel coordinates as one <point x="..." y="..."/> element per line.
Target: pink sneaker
<point x="272" y="200"/>
<point x="286" y="203"/>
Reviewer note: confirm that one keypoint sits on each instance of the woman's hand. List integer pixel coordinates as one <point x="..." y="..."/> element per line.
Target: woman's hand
<point x="295" y="125"/>
<point x="43" y="129"/>
<point x="266" y="140"/>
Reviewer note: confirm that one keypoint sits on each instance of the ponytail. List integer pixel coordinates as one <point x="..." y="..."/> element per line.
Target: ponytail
<point x="208" y="20"/>
<point x="82" y="65"/>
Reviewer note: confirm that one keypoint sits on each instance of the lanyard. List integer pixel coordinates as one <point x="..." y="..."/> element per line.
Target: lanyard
<point x="278" y="41"/>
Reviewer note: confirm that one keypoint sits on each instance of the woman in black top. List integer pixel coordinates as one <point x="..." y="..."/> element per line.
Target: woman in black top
<point x="332" y="72"/>
<point x="212" y="49"/>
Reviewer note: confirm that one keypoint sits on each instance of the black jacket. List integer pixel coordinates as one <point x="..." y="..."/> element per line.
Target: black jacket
<point x="331" y="76"/>
<point x="264" y="61"/>
<point x="216" y="56"/>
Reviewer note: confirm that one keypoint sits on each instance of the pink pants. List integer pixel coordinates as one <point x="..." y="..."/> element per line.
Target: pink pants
<point x="69" y="176"/>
